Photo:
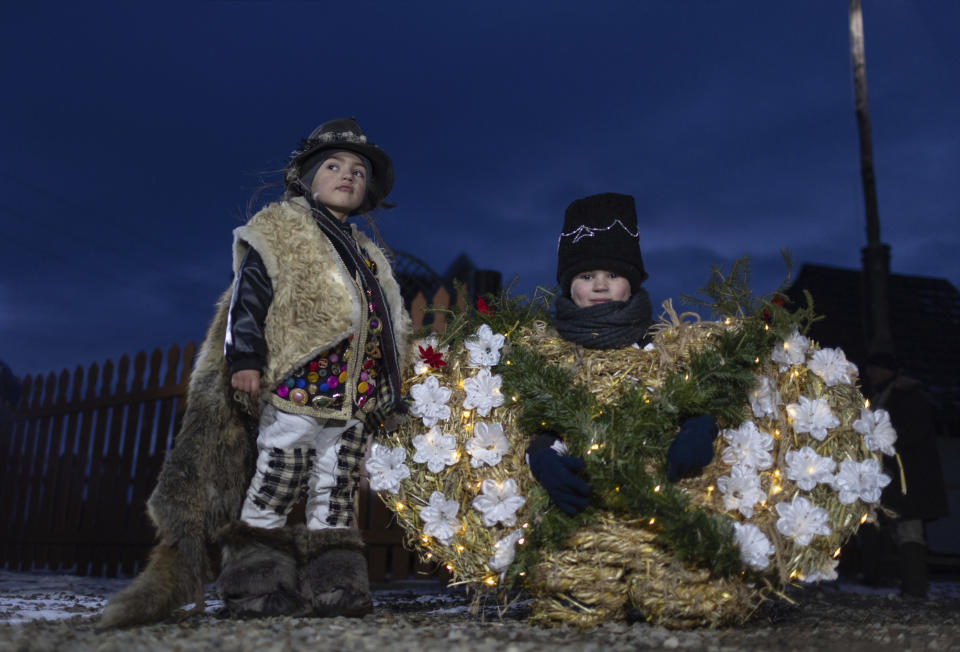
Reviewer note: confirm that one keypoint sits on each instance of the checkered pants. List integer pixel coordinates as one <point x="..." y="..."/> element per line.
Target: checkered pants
<point x="301" y="455"/>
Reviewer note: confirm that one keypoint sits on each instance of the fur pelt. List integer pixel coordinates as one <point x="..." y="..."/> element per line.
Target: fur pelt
<point x="200" y="490"/>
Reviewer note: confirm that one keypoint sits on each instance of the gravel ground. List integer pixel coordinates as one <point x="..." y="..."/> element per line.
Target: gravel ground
<point x="59" y="613"/>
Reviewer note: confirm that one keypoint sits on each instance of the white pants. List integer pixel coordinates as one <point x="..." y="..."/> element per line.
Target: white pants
<point x="285" y="442"/>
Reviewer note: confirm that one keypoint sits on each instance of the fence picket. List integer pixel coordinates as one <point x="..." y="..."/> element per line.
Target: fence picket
<point x="113" y="512"/>
<point x="90" y="555"/>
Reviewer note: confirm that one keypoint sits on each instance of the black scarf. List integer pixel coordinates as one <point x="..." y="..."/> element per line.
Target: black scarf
<point x="609" y="325"/>
<point x="341" y="236"/>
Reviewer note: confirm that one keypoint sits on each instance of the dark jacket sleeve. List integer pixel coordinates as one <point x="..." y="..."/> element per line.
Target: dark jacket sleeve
<point x="245" y="346"/>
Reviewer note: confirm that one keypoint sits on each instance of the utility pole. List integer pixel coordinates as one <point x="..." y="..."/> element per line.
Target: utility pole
<point x="876" y="255"/>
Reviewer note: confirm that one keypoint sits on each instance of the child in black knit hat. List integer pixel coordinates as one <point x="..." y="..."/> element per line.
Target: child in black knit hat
<point x="603" y="306"/>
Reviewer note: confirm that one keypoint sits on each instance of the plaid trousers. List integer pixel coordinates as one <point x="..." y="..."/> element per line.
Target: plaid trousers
<point x="301" y="455"/>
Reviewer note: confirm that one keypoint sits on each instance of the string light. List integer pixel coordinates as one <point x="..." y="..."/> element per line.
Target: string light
<point x="460" y="548"/>
<point x="837" y="553"/>
<point x="656" y="489"/>
<point x="521" y="541"/>
<point x="863" y="519"/>
<point x="400" y="507"/>
<point x="710" y="490"/>
<point x="491" y="580"/>
<point x="866" y="403"/>
<point x="652" y="521"/>
<point x="513" y="398"/>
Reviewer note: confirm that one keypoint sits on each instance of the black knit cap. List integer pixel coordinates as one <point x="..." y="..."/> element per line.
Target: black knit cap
<point x="342" y="134"/>
<point x="600" y="232"/>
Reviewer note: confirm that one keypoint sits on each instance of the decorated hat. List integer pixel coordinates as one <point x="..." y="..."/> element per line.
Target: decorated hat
<point x="600" y="232"/>
<point x="342" y="134"/>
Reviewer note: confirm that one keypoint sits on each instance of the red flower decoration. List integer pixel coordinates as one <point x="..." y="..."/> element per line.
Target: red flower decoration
<point x="777" y="301"/>
<point x="482" y="306"/>
<point x="431" y="357"/>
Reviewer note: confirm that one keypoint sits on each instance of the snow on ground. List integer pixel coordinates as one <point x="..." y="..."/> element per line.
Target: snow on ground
<point x="43" y="595"/>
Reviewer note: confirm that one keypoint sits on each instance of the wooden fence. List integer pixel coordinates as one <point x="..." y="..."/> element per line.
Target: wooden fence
<point x="82" y="452"/>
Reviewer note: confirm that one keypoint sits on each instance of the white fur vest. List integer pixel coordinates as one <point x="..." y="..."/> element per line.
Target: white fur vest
<point x="316" y="304"/>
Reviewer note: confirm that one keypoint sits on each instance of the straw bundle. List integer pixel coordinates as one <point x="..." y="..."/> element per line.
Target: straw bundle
<point x="620" y="562"/>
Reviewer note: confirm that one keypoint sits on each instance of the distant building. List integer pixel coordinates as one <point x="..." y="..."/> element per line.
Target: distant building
<point x="924" y="315"/>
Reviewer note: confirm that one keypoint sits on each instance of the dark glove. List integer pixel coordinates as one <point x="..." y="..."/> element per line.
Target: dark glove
<point x="556" y="473"/>
<point x="692" y="448"/>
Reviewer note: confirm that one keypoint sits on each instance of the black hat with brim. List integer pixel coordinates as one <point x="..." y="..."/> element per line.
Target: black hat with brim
<point x="342" y="134"/>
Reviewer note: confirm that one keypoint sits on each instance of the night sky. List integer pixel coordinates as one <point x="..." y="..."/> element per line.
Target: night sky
<point x="133" y="139"/>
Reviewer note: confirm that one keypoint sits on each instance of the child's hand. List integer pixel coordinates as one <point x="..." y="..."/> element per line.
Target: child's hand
<point x="557" y="474"/>
<point x="247" y="380"/>
<point x="692" y="448"/>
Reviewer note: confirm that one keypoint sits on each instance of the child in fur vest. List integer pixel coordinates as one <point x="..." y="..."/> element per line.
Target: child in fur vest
<point x="603" y="306"/>
<point x="304" y="355"/>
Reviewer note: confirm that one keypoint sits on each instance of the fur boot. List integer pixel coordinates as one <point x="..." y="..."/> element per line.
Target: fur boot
<point x="259" y="574"/>
<point x="333" y="572"/>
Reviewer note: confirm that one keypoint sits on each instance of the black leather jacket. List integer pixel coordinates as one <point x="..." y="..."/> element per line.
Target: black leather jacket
<point x="245" y="346"/>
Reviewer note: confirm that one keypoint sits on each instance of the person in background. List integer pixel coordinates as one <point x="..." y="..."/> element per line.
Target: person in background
<point x="914" y="415"/>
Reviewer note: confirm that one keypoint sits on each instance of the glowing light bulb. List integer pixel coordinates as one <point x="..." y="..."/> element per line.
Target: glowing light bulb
<point x="400" y="507"/>
<point x="656" y="489"/>
<point x="652" y="521"/>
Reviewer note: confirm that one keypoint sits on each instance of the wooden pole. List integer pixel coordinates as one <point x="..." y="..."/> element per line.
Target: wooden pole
<point x="876" y="255"/>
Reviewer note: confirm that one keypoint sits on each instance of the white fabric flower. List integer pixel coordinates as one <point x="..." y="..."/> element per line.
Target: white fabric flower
<point x="504" y="551"/>
<point x="440" y="518"/>
<point x="814" y="417"/>
<point x="860" y="480"/>
<point x="755" y="547"/>
<point x="765" y="398"/>
<point x="484" y="347"/>
<point x="791" y="351"/>
<point x="807" y="468"/>
<point x="801" y="520"/>
<point x="498" y="502"/>
<point x="741" y="490"/>
<point x="386" y="468"/>
<point x="748" y="446"/>
<point x="832" y="365"/>
<point x="435" y="449"/>
<point x="488" y="444"/>
<point x="878" y="433"/>
<point x="825" y="573"/>
<point x="483" y="392"/>
<point x="430" y="401"/>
